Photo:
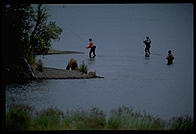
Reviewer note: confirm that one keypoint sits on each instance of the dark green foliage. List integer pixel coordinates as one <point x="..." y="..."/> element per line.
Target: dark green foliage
<point x="25" y="33"/>
<point x="125" y="118"/>
<point x="48" y="119"/>
<point x="83" y="68"/>
<point x="44" y="32"/>
<point x="82" y="120"/>
<point x="181" y="123"/>
<point x="20" y="117"/>
<point x="16" y="24"/>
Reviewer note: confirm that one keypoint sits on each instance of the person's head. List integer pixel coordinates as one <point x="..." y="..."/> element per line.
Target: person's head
<point x="169" y="52"/>
<point x="90" y="39"/>
<point x="147" y="37"/>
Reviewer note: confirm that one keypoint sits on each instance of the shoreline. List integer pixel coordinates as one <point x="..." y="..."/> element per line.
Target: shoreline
<point x="53" y="73"/>
<point x="53" y="51"/>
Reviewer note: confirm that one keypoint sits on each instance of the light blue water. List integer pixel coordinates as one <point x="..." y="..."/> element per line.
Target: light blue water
<point x="146" y="84"/>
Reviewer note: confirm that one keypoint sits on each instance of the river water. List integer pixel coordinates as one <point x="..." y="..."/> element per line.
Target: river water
<point x="118" y="31"/>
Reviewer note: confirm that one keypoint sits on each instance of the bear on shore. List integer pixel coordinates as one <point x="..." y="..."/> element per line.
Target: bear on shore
<point x="72" y="64"/>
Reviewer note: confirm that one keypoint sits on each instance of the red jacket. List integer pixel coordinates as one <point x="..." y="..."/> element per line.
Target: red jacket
<point x="90" y="45"/>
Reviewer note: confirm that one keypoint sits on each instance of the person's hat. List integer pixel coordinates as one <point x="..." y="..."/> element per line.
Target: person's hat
<point x="90" y="39"/>
<point x="169" y="51"/>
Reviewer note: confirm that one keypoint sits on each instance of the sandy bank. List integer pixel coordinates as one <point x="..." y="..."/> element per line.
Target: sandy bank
<point x="53" y="73"/>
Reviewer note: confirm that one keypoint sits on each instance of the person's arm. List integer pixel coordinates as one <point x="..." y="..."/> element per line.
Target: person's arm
<point x="90" y="45"/>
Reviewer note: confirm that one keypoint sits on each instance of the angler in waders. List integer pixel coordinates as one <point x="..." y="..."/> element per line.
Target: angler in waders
<point x="92" y="50"/>
<point x="147" y="42"/>
<point x="170" y="58"/>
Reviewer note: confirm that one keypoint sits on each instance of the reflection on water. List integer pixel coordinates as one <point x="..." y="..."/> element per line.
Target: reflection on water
<point x="144" y="83"/>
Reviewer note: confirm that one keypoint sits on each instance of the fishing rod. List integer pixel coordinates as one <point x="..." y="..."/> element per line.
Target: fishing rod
<point x="79" y="37"/>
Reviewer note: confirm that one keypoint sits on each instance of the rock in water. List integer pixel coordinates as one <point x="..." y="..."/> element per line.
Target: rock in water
<point x="92" y="74"/>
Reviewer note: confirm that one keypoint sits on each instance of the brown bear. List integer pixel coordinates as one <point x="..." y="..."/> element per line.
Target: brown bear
<point x="72" y="64"/>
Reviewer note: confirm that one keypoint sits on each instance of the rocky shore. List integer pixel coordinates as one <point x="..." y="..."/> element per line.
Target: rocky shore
<point x="53" y="73"/>
<point x="21" y="71"/>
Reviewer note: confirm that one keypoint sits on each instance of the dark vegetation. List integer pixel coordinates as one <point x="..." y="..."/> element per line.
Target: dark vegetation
<point x="23" y="117"/>
<point x="83" y="68"/>
<point x="26" y="32"/>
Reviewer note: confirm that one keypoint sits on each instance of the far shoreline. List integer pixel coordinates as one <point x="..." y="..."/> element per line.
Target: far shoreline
<point x="54" y="51"/>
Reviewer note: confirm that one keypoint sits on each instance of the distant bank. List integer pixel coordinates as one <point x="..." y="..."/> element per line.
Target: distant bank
<point x="53" y="51"/>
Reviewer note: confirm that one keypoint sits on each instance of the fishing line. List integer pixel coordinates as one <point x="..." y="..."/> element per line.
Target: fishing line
<point x="77" y="35"/>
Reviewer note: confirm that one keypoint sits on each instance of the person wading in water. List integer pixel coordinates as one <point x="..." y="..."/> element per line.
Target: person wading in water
<point x="147" y="42"/>
<point x="92" y="50"/>
<point x="170" y="58"/>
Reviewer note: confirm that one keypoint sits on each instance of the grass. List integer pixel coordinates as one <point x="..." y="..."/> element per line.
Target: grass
<point x="18" y="117"/>
<point x="23" y="117"/>
<point x="181" y="123"/>
<point x="83" y="68"/>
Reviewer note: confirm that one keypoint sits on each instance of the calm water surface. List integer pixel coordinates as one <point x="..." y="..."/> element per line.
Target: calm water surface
<point x="145" y="84"/>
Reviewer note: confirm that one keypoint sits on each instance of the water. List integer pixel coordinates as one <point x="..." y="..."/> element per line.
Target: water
<point x="145" y="84"/>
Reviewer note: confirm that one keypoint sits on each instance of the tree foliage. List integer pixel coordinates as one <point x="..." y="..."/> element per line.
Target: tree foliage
<point x="44" y="32"/>
<point x="16" y="24"/>
<point x="27" y="31"/>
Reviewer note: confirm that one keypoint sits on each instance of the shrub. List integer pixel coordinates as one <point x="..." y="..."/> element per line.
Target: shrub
<point x="96" y="119"/>
<point x="125" y="118"/>
<point x="113" y="123"/>
<point x="49" y="119"/>
<point x="181" y="123"/>
<point x="83" y="68"/>
<point x="18" y="117"/>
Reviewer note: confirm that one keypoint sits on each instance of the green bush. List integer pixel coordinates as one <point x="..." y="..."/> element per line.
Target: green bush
<point x="125" y="118"/>
<point x="181" y="123"/>
<point x="49" y="119"/>
<point x="113" y="123"/>
<point x="18" y="117"/>
<point x="83" y="68"/>
<point x="96" y="119"/>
